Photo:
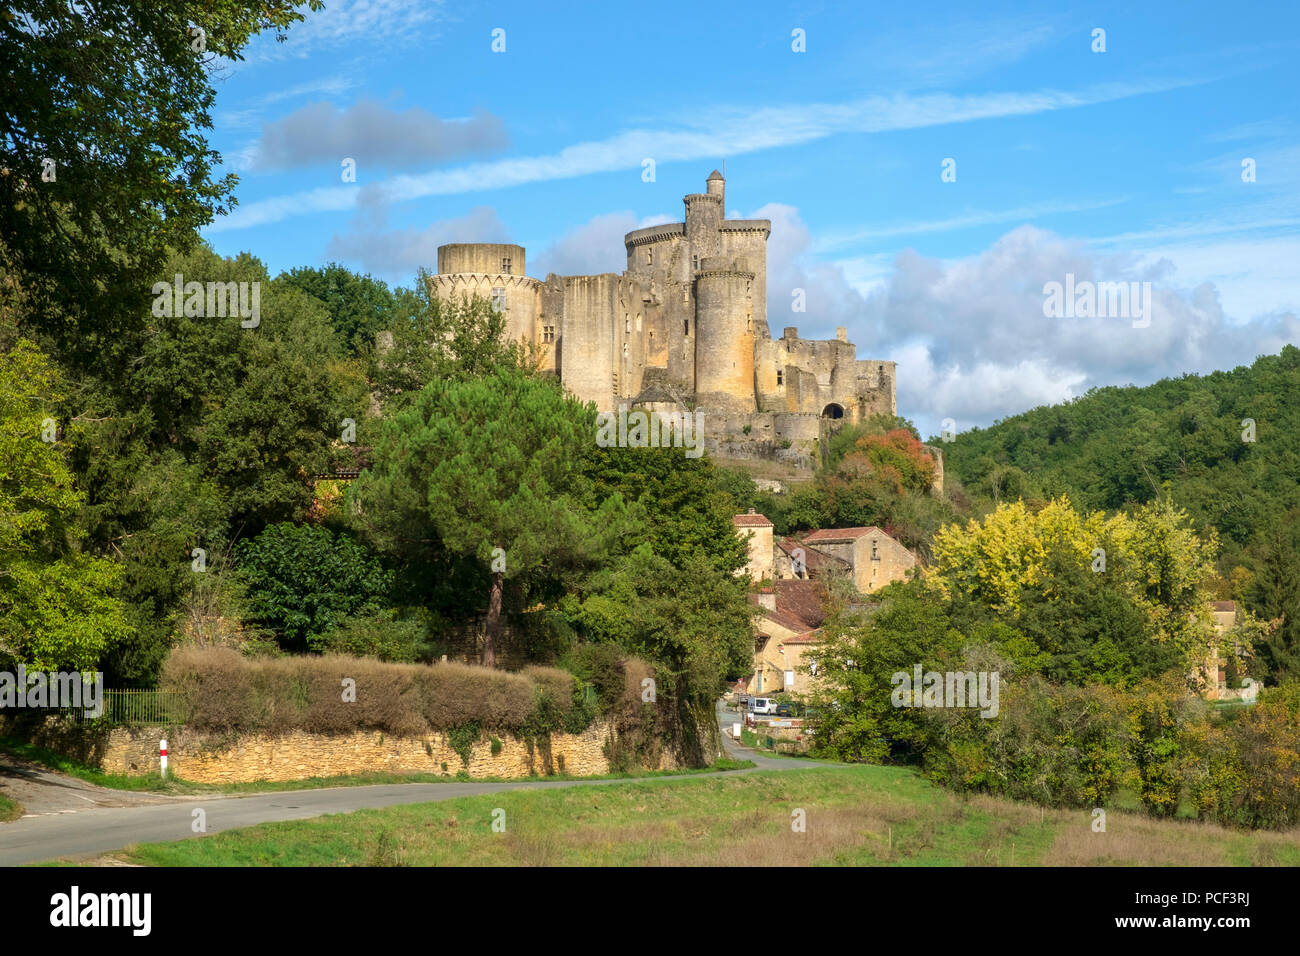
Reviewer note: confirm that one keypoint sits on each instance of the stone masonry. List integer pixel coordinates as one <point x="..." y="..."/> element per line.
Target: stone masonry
<point x="683" y="328"/>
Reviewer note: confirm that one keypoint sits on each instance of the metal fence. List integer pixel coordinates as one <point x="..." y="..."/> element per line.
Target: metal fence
<point x="135" y="708"/>
<point x="144" y="707"/>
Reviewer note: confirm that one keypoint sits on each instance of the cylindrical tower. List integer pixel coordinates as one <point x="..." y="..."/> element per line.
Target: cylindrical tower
<point x="715" y="185"/>
<point x="724" y="343"/>
<point x="492" y="271"/>
<point x="491" y="258"/>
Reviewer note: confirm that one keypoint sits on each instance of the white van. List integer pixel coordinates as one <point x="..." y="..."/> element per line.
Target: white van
<point x="763" y="705"/>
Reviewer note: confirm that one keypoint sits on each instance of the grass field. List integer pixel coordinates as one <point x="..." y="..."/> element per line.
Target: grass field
<point x="854" y="815"/>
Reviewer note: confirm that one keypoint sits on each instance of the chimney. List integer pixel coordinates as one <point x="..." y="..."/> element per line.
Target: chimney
<point x="767" y="599"/>
<point x="841" y="334"/>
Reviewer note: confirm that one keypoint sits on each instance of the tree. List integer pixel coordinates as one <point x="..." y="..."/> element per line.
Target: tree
<point x="115" y="95"/>
<point x="490" y="468"/>
<point x="692" y="619"/>
<point x="1274" y="592"/>
<point x="304" y="580"/>
<point x="58" y="606"/>
<point x="1109" y="599"/>
<point x="434" y="338"/>
<point x="358" y="305"/>
<point x="855" y="666"/>
<point x="684" y="509"/>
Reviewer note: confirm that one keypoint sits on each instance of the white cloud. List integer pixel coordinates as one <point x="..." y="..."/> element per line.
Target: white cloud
<point x="970" y="336"/>
<point x="835" y="240"/>
<point x="720" y="132"/>
<point x="342" y="24"/>
<point x="374" y="135"/>
<point x="592" y="248"/>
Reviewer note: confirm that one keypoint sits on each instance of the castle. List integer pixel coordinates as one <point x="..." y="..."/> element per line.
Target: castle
<point x="684" y="327"/>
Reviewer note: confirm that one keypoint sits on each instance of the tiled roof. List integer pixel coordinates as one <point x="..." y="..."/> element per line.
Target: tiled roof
<point x="814" y="558"/>
<point x="811" y="637"/>
<point x="799" y="605"/>
<point x="790" y="622"/>
<point x="804" y="599"/>
<point x="751" y="521"/>
<point x="841" y="534"/>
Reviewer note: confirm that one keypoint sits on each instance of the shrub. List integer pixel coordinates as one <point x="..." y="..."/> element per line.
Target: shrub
<point x="227" y="693"/>
<point x="1059" y="746"/>
<point x="381" y="635"/>
<point x="1245" y="771"/>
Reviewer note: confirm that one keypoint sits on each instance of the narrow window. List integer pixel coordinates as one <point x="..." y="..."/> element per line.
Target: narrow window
<point x="498" y="299"/>
<point x="695" y="262"/>
<point x="780" y="377"/>
<point x="649" y="258"/>
<point x="505" y="265"/>
<point x="686" y="326"/>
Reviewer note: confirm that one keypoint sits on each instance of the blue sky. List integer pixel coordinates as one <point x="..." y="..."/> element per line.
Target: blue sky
<point x="1123" y="165"/>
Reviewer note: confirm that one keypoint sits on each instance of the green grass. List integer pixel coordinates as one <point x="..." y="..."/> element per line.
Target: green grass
<point x="854" y="815"/>
<point x="9" y="809"/>
<point x="153" y="783"/>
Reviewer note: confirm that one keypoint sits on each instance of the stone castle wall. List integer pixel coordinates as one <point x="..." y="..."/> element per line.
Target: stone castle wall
<point x="688" y="319"/>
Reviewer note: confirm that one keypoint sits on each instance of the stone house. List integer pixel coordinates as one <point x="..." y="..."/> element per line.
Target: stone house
<point x="1211" y="677"/>
<point x="787" y="633"/>
<point x="868" y="556"/>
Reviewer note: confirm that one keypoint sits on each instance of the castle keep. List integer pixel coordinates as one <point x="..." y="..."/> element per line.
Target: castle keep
<point x="684" y="327"/>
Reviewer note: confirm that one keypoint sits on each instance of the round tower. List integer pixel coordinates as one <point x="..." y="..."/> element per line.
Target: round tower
<point x="724" y="341"/>
<point x="715" y="185"/>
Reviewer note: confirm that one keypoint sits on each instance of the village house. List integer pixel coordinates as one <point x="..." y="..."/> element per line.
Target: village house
<point x="786" y="635"/>
<point x="792" y="574"/>
<point x="1211" y="677"/>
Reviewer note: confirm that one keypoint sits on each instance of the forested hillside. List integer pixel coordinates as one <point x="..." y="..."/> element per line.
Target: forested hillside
<point x="1115" y="447"/>
<point x="1225" y="447"/>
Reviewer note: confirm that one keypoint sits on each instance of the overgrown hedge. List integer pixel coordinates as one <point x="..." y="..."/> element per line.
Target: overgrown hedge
<point x="227" y="693"/>
<point x="1076" y="746"/>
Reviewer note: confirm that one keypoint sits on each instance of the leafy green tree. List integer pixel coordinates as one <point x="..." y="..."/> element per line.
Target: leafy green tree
<point x="433" y="338"/>
<point x="1274" y="593"/>
<point x="692" y="619"/>
<point x="685" y="510"/>
<point x="358" y="305"/>
<point x="491" y="468"/>
<point x="305" y="580"/>
<point x="852" y="696"/>
<point x="58" y="605"/>
<point x="116" y="95"/>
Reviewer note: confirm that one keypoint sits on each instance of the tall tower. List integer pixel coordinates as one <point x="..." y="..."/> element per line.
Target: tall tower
<point x="704" y="215"/>
<point x="715" y="185"/>
<point x="724" y="342"/>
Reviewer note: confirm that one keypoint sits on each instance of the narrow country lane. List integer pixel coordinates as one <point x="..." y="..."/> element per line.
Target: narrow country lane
<point x="107" y="820"/>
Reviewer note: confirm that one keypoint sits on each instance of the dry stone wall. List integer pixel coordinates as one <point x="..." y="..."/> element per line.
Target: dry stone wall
<point x="297" y="756"/>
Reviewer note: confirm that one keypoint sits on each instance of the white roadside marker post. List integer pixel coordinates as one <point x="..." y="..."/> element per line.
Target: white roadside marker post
<point x="162" y="757"/>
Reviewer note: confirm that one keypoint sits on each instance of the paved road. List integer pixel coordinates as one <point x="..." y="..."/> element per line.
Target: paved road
<point x="96" y="828"/>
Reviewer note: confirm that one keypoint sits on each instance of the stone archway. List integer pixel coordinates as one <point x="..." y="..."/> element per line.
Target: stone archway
<point x="833" y="410"/>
